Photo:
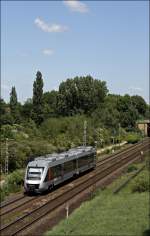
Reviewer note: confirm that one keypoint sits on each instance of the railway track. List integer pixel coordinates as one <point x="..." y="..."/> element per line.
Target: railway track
<point x="67" y="192"/>
<point x="5" y="209"/>
<point x="19" y="201"/>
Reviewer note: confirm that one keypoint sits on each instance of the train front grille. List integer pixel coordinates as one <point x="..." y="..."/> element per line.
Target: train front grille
<point x="33" y="186"/>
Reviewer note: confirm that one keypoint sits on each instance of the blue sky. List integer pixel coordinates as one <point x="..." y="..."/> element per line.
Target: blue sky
<point x="106" y="39"/>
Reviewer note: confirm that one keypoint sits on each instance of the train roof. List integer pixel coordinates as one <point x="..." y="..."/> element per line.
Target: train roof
<point x="59" y="158"/>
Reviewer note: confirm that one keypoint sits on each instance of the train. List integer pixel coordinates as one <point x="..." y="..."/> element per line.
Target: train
<point x="45" y="172"/>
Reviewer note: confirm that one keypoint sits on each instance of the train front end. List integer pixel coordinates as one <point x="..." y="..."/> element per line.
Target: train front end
<point x="34" y="178"/>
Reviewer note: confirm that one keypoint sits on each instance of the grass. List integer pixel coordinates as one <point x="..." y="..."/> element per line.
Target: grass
<point x="126" y="213"/>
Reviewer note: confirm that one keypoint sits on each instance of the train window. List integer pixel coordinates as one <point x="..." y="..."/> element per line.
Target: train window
<point x="82" y="161"/>
<point x="34" y="173"/>
<point x="91" y="158"/>
<point x="69" y="166"/>
<point x="56" y="171"/>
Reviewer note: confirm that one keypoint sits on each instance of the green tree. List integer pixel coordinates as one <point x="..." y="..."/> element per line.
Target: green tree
<point x="14" y="105"/>
<point x="5" y="115"/>
<point x="80" y="95"/>
<point x="26" y="109"/>
<point x="128" y="113"/>
<point x="49" y="104"/>
<point x="140" y="104"/>
<point x="38" y="99"/>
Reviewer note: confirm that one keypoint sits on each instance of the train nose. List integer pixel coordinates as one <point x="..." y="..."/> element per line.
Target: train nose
<point x="33" y="187"/>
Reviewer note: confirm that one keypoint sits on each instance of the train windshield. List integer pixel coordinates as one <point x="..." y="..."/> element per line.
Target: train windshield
<point x="34" y="173"/>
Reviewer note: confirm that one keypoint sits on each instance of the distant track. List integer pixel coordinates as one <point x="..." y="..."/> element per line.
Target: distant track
<point x="13" y="205"/>
<point x="59" y="197"/>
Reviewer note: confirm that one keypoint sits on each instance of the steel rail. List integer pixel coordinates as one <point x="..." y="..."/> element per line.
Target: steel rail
<point x="147" y="140"/>
<point x="99" y="163"/>
<point x="4" y="204"/>
<point x="105" y="172"/>
<point x="4" y="212"/>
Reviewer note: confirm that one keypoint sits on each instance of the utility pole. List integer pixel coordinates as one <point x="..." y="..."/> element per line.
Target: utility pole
<point x="67" y="210"/>
<point x="84" y="133"/>
<point x="6" y="158"/>
<point x="119" y="134"/>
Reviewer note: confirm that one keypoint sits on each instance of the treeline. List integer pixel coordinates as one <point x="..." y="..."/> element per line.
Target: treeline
<point x="53" y="121"/>
<point x="77" y="96"/>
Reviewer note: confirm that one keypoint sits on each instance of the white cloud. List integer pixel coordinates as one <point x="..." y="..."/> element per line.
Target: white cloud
<point x="50" y="28"/>
<point x="138" y="89"/>
<point x="76" y="5"/>
<point x="48" y="52"/>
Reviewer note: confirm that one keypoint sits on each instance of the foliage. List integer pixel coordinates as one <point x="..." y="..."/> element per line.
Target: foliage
<point x="14" y="106"/>
<point x="128" y="113"/>
<point x="80" y="95"/>
<point x="140" y="104"/>
<point x="53" y="121"/>
<point x="38" y="99"/>
<point x="141" y="184"/>
<point x="13" y="100"/>
<point x="13" y="183"/>
<point x="132" y="138"/>
<point x="131" y="168"/>
<point x="26" y="110"/>
<point x="15" y="178"/>
<point x="50" y="104"/>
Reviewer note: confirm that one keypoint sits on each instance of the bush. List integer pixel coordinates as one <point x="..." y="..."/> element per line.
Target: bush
<point x="131" y="168"/>
<point x="13" y="184"/>
<point x="133" y="138"/>
<point x="141" y="183"/>
<point x="16" y="178"/>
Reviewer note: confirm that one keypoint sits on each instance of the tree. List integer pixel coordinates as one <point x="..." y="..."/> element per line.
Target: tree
<point x="5" y="115"/>
<point x="26" y="109"/>
<point x="14" y="105"/>
<point x="13" y="100"/>
<point x="80" y="95"/>
<point x="128" y="112"/>
<point x="49" y="104"/>
<point x="38" y="99"/>
<point x="140" y="104"/>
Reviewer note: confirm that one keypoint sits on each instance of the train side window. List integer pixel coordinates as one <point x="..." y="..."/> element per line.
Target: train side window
<point x="56" y="170"/>
<point x="82" y="161"/>
<point x="91" y="158"/>
<point x="69" y="166"/>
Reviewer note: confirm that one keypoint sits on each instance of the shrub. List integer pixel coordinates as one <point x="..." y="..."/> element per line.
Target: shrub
<point x="131" y="168"/>
<point x="132" y="138"/>
<point x="141" y="183"/>
<point x="13" y="184"/>
<point x="16" y="178"/>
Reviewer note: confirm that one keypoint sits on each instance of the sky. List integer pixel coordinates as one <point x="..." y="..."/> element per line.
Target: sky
<point x="107" y="39"/>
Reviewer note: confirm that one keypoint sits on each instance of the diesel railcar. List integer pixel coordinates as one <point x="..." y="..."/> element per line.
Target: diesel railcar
<point x="45" y="172"/>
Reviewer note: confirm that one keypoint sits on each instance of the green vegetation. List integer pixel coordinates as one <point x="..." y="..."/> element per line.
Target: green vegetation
<point x="126" y="213"/>
<point x="133" y="138"/>
<point x="141" y="184"/>
<point x="132" y="168"/>
<point x="37" y="113"/>
<point x="13" y="183"/>
<point x="53" y="120"/>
